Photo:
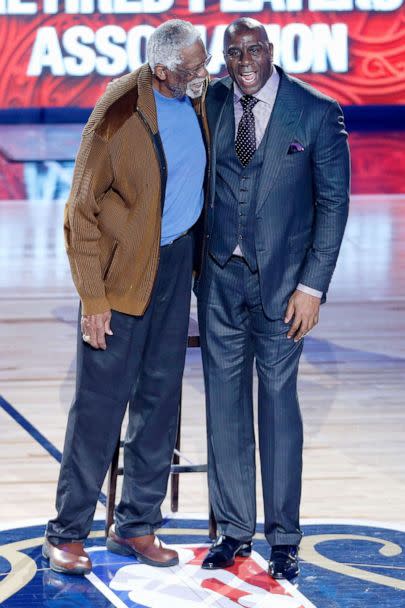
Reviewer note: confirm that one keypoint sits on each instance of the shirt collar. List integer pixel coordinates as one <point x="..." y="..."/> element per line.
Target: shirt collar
<point x="266" y="94"/>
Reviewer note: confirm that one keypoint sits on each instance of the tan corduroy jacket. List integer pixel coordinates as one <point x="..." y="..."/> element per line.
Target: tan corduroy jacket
<point x="113" y="214"/>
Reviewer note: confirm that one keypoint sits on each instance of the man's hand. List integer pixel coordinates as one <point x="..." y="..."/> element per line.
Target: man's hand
<point x="94" y="328"/>
<point x="304" y="308"/>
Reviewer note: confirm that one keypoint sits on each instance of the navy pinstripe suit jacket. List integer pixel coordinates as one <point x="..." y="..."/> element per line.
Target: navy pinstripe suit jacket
<point x="302" y="196"/>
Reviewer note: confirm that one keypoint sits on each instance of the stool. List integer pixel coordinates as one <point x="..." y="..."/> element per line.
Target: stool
<point x="176" y="468"/>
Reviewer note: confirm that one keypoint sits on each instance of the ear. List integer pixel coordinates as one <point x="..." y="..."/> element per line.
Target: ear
<point x="270" y="46"/>
<point x="160" y="71"/>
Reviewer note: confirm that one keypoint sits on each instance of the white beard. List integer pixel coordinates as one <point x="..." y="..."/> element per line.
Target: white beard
<point x="195" y="88"/>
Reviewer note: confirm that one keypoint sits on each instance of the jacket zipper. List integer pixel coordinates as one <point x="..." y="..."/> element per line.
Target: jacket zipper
<point x="160" y="155"/>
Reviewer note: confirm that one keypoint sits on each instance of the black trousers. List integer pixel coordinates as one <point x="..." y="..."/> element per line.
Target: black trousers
<point x="143" y="364"/>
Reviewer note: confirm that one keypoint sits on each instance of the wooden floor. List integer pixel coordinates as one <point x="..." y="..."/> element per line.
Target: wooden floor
<point x="352" y="377"/>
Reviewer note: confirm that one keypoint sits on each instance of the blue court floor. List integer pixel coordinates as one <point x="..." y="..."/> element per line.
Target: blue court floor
<point x="344" y="565"/>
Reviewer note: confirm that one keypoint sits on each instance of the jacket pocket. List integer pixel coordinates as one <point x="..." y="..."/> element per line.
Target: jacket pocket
<point x="113" y="216"/>
<point x="300" y="242"/>
<point x="112" y="257"/>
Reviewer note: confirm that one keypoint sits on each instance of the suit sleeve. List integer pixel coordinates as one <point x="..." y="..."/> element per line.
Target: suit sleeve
<point x="92" y="177"/>
<point x="331" y="179"/>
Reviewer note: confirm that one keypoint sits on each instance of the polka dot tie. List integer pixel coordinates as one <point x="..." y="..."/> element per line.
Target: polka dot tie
<point x="245" y="144"/>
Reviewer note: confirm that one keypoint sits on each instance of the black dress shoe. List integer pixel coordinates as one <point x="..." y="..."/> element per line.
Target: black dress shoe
<point x="223" y="551"/>
<point x="284" y="562"/>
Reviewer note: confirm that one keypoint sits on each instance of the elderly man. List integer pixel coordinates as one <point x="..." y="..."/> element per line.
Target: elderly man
<point x="276" y="217"/>
<point x="137" y="191"/>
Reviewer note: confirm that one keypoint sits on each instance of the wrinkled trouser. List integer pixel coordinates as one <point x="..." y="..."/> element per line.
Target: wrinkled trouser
<point x="143" y="364"/>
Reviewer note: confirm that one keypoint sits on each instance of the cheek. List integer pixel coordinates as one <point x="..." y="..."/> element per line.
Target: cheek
<point x="174" y="79"/>
<point x="265" y="67"/>
<point x="182" y="82"/>
<point x="230" y="69"/>
<point x="264" y="72"/>
<point x="177" y="85"/>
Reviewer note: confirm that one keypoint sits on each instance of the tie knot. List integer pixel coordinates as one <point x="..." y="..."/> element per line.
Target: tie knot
<point x="248" y="102"/>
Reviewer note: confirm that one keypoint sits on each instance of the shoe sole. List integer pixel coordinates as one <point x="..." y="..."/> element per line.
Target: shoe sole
<point x="77" y="571"/>
<point x="211" y="566"/>
<point x="281" y="577"/>
<point x="129" y="552"/>
<point x="243" y="552"/>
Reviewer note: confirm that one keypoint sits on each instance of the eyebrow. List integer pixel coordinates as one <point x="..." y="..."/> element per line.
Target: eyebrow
<point x="233" y="46"/>
<point x="239" y="48"/>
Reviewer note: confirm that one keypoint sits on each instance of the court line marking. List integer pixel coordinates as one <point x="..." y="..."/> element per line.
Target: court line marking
<point x="37" y="436"/>
<point x="291" y="589"/>
<point x="11" y="550"/>
<point x="375" y="566"/>
<point x="105" y="591"/>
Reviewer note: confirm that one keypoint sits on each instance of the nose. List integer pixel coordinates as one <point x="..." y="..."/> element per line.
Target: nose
<point x="245" y="56"/>
<point x="202" y="71"/>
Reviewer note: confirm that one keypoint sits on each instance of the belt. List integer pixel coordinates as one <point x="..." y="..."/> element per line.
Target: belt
<point x="177" y="238"/>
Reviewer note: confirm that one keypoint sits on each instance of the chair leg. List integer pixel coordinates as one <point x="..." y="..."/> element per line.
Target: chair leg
<point x="112" y="488"/>
<point x="174" y="482"/>
<point x="212" y="524"/>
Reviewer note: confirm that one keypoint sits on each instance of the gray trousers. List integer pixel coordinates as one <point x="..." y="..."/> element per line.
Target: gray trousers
<point x="143" y="364"/>
<point x="234" y="331"/>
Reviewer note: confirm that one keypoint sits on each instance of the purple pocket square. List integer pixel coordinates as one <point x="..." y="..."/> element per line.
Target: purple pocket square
<point x="295" y="146"/>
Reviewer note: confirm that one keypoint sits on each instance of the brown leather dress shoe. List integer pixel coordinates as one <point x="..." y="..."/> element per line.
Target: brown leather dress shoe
<point x="68" y="558"/>
<point x="147" y="549"/>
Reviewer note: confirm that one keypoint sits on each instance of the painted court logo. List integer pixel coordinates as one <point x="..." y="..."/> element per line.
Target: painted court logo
<point x="246" y="584"/>
<point x="343" y="565"/>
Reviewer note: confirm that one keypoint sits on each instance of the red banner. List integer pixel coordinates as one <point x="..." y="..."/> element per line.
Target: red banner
<point x="55" y="53"/>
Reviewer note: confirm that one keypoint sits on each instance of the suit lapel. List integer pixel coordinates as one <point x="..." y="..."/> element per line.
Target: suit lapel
<point x="284" y="120"/>
<point x="218" y="98"/>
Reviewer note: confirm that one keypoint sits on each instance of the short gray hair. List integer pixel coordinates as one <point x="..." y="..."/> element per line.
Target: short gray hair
<point x="167" y="42"/>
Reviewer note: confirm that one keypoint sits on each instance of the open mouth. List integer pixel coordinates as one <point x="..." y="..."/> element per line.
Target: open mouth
<point x="248" y="78"/>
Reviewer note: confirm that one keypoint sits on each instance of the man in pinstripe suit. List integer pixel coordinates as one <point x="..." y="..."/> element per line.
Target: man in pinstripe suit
<point x="275" y="221"/>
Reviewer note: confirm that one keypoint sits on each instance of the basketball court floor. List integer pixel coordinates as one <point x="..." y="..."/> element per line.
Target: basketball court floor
<point x="352" y="388"/>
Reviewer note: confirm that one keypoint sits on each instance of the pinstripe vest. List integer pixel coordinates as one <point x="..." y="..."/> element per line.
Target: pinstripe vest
<point x="235" y="195"/>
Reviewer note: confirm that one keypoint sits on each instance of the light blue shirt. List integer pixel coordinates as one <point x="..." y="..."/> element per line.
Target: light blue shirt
<point x="184" y="149"/>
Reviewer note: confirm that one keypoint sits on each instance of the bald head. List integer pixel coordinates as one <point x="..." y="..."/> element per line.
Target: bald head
<point x="245" y="24"/>
<point x="248" y="54"/>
